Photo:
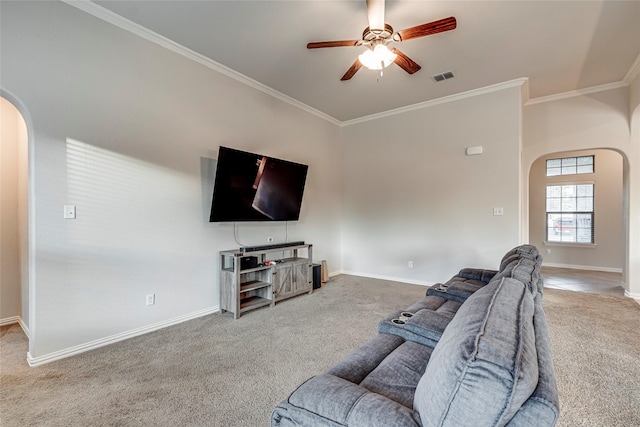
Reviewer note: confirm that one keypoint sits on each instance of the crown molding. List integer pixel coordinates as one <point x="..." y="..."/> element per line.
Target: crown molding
<point x="633" y="72"/>
<point x="438" y="101"/>
<point x="579" y="92"/>
<point x="140" y="31"/>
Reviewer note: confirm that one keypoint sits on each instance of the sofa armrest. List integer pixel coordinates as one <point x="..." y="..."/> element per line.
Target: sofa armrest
<point x="477" y="274"/>
<point x="326" y="400"/>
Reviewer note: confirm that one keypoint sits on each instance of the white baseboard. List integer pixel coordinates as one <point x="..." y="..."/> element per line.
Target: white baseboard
<point x="9" y="320"/>
<point x="583" y="267"/>
<point x="634" y="295"/>
<point x="15" y="319"/>
<point x="92" y="345"/>
<point x="391" y="278"/>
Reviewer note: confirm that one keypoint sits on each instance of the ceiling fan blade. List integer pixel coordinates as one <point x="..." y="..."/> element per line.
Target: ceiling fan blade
<point x="352" y="70"/>
<point x="375" y="13"/>
<point x="404" y="62"/>
<point x="337" y="43"/>
<point x="434" y="27"/>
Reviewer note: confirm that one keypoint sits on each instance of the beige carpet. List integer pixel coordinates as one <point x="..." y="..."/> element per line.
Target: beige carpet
<point x="220" y="372"/>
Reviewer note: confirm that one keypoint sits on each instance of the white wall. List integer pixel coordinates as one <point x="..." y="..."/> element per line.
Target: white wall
<point x="631" y="180"/>
<point x="128" y="132"/>
<point x="609" y="250"/>
<point x="591" y="121"/>
<point x="411" y="193"/>
<point x="11" y="123"/>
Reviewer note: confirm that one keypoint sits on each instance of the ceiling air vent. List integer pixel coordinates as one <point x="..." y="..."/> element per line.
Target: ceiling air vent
<point x="444" y="76"/>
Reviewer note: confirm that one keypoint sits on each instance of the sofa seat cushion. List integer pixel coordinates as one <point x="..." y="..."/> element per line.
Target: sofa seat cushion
<point x="325" y="400"/>
<point x="397" y="376"/>
<point x="485" y="365"/>
<point x="357" y="365"/>
<point x="461" y="287"/>
<point x="429" y="318"/>
<point x="455" y="290"/>
<point x="430" y="324"/>
<point x="435" y="303"/>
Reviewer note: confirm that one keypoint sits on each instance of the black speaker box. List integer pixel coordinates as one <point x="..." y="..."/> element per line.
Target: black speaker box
<point x="248" y="262"/>
<point x="317" y="281"/>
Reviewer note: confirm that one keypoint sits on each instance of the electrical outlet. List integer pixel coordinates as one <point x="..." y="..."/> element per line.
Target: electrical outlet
<point x="151" y="299"/>
<point x="269" y="239"/>
<point x="498" y="211"/>
<point x="410" y="264"/>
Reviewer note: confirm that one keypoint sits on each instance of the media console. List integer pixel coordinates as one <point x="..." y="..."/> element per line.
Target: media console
<point x="257" y="276"/>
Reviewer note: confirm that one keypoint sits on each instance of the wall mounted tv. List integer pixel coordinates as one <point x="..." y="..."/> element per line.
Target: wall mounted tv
<point x="253" y="187"/>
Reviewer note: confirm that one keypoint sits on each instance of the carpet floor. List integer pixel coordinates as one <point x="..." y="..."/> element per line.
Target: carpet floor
<point x="218" y="371"/>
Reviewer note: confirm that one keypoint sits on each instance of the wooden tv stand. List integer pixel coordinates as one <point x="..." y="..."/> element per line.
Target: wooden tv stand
<point x="244" y="289"/>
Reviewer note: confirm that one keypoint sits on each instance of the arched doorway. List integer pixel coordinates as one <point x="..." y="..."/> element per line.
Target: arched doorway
<point x="607" y="249"/>
<point x="14" y="228"/>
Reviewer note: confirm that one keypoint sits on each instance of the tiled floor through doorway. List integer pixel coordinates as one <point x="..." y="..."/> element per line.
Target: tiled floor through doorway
<point x="569" y="279"/>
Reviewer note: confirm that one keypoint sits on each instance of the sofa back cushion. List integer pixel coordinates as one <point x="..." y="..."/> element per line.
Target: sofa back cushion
<point x="522" y="263"/>
<point x="485" y="365"/>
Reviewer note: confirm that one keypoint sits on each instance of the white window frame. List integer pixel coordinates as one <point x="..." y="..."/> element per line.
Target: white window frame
<point x="570" y="165"/>
<point x="568" y="222"/>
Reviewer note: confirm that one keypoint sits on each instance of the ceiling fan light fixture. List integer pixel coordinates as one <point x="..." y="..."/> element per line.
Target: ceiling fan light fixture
<point x="377" y="58"/>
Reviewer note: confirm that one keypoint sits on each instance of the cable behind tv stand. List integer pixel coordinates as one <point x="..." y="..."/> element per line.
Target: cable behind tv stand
<point x="257" y="276"/>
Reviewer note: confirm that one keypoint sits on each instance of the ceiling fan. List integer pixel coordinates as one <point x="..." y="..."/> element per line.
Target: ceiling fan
<point x="378" y="36"/>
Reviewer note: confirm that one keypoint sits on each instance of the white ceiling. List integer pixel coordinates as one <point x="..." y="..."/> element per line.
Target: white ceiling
<point x="560" y="46"/>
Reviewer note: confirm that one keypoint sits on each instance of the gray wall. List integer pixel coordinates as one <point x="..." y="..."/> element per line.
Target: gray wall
<point x="411" y="193"/>
<point x="608" y="252"/>
<point x="128" y="132"/>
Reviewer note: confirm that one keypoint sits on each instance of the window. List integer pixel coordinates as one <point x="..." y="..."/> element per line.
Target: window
<point x="570" y="213"/>
<point x="570" y="166"/>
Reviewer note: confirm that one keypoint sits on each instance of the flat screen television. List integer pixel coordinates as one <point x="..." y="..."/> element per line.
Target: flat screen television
<point x="253" y="187"/>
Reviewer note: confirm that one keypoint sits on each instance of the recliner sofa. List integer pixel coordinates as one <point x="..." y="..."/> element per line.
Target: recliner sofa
<point x="474" y="351"/>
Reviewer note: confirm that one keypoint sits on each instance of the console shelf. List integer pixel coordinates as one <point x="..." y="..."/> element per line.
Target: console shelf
<point x="260" y="284"/>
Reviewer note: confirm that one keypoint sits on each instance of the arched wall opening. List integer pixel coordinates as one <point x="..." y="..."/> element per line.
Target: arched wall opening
<point x="14" y="229"/>
<point x="596" y="120"/>
<point x="608" y="251"/>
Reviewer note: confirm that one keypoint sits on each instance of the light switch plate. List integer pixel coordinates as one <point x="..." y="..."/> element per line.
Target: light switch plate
<point x="70" y="212"/>
<point x="498" y="211"/>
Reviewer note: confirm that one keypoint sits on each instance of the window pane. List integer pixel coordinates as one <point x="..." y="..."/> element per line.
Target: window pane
<point x="585" y="169"/>
<point x="585" y="204"/>
<point x="554" y="167"/>
<point x="552" y="234"/>
<point x="585" y="229"/>
<point x="569" y="204"/>
<point x="553" y="205"/>
<point x="584" y="190"/>
<point x="554" y="191"/>
<point x="569" y="161"/>
<point x="554" y="171"/>
<point x="585" y="160"/>
<point x="569" y="225"/>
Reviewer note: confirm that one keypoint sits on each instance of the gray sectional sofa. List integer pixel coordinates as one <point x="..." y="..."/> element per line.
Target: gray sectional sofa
<point x="474" y="351"/>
